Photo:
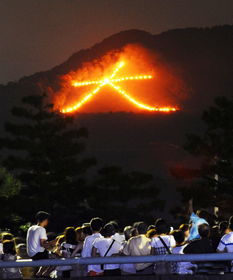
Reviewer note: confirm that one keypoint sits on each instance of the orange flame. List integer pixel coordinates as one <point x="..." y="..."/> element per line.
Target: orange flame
<point x="111" y="80"/>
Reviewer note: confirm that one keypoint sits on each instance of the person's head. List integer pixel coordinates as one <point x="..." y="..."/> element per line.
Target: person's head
<point x="141" y="227"/>
<point x="60" y="239"/>
<point x="151" y="233"/>
<point x="150" y="227"/>
<point x="79" y="234"/>
<point x="185" y="228"/>
<point x="203" y="214"/>
<point x="9" y="247"/>
<point x="161" y="226"/>
<point x="231" y="223"/>
<point x="70" y="235"/>
<point x="7" y="236"/>
<point x="223" y="228"/>
<point x="128" y="232"/>
<point x="179" y="236"/>
<point x="108" y="230"/>
<point x="214" y="232"/>
<point x="134" y="232"/>
<point x="204" y="230"/>
<point x="21" y="251"/>
<point x="115" y="224"/>
<point x="42" y="218"/>
<point x="96" y="224"/>
<point x="86" y="230"/>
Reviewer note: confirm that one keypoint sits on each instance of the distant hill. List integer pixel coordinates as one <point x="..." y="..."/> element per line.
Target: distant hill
<point x="204" y="57"/>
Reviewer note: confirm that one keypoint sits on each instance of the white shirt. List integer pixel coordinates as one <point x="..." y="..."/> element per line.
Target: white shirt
<point x="181" y="267"/>
<point x="138" y="246"/>
<point x="120" y="238"/>
<point x="87" y="249"/>
<point x="226" y="243"/>
<point x="34" y="235"/>
<point x="102" y="245"/>
<point x="158" y="245"/>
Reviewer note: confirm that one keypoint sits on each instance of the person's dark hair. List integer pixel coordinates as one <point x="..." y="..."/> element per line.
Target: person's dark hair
<point x="231" y="223"/>
<point x="141" y="227"/>
<point x="151" y="227"/>
<point x="42" y="216"/>
<point x="203" y="214"/>
<point x="70" y="235"/>
<point x="161" y="226"/>
<point x="223" y="226"/>
<point x="108" y="230"/>
<point x="115" y="224"/>
<point x="134" y="232"/>
<point x="7" y="236"/>
<point x="128" y="232"/>
<point x="179" y="236"/>
<point x="87" y="230"/>
<point x="151" y="233"/>
<point x="9" y="247"/>
<point x="204" y="230"/>
<point x="184" y="227"/>
<point x="51" y="236"/>
<point x="96" y="224"/>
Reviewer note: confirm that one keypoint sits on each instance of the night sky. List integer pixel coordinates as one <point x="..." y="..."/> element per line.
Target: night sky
<point x="39" y="34"/>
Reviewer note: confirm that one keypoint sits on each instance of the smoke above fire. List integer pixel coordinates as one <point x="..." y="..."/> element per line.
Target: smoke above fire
<point x="129" y="80"/>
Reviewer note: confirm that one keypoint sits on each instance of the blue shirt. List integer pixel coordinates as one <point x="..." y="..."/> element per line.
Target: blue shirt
<point x="196" y="221"/>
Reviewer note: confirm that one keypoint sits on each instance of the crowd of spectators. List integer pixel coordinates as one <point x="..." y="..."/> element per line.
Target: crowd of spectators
<point x="97" y="239"/>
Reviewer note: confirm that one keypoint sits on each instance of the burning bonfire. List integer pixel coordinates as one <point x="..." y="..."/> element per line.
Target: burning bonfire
<point x="81" y="88"/>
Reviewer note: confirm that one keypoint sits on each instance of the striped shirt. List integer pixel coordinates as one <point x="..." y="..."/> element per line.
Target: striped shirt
<point x="226" y="243"/>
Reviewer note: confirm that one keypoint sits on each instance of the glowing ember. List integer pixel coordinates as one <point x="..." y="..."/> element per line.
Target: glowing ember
<point x="111" y="80"/>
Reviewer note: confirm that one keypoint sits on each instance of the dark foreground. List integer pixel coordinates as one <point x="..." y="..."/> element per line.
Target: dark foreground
<point x="156" y="277"/>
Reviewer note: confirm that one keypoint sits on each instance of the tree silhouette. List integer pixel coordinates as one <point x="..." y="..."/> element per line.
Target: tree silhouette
<point x="125" y="195"/>
<point x="45" y="153"/>
<point x="213" y="185"/>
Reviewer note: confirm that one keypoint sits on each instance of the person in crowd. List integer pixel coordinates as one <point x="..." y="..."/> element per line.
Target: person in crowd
<point x="139" y="246"/>
<point x="37" y="241"/>
<point x="226" y="242"/>
<point x="181" y="267"/>
<point x="107" y="247"/>
<point x="117" y="236"/>
<point x="150" y="227"/>
<point x="215" y="236"/>
<point x="128" y="233"/>
<point x="224" y="228"/>
<point x="161" y="245"/>
<point x="185" y="228"/>
<point x="7" y="236"/>
<point x="68" y="249"/>
<point x="96" y="227"/>
<point x="128" y="268"/>
<point x="151" y="233"/>
<point x="86" y="228"/>
<point x="197" y="219"/>
<point x="202" y="245"/>
<point x="79" y="234"/>
<point x="10" y="255"/>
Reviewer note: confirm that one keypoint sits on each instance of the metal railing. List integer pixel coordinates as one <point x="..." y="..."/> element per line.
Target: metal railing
<point x="120" y="260"/>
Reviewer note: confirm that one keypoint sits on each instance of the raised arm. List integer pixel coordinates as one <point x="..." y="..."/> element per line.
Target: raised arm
<point x="191" y="206"/>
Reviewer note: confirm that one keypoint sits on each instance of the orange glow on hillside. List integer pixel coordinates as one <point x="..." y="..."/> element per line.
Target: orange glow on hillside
<point x="111" y="80"/>
<point x="132" y="79"/>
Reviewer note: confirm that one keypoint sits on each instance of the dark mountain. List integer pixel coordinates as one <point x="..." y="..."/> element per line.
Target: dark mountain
<point x="204" y="57"/>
